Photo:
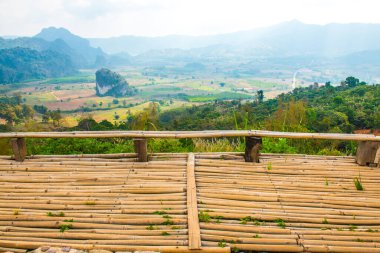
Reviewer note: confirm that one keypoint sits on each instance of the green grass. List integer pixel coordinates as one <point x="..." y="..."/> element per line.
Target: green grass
<point x="218" y="96"/>
<point x="352" y="227"/>
<point x="60" y="214"/>
<point x="222" y="244"/>
<point x="245" y="219"/>
<point x="358" y="183"/>
<point x="70" y="79"/>
<point x="65" y="227"/>
<point x="280" y="223"/>
<point x="204" y="216"/>
<point x="151" y="227"/>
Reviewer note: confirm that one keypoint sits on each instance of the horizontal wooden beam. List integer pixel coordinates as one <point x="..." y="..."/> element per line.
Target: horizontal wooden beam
<point x="191" y="134"/>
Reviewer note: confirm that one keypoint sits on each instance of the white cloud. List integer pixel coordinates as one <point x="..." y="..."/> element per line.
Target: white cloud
<point x="103" y="18"/>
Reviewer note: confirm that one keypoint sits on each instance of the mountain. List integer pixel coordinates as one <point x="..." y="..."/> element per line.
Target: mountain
<point x="367" y="57"/>
<point x="92" y="56"/>
<point x="288" y="39"/>
<point x="19" y="64"/>
<point x="39" y="44"/>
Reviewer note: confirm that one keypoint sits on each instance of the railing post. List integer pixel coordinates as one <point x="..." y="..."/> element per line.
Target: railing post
<point x="367" y="153"/>
<point x="19" y="148"/>
<point x="141" y="148"/>
<point x="252" y="149"/>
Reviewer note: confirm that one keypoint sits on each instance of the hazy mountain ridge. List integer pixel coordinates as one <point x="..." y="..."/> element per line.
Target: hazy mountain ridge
<point x="288" y="38"/>
<point x="79" y="45"/>
<point x="287" y="47"/>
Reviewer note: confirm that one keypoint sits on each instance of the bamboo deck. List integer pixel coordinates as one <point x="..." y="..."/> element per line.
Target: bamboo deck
<point x="287" y="203"/>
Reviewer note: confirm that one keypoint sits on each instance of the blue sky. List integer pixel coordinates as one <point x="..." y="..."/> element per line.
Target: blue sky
<point x="107" y="18"/>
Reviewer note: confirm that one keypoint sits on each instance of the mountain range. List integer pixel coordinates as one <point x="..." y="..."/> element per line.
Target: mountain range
<point x="285" y="47"/>
<point x="285" y="39"/>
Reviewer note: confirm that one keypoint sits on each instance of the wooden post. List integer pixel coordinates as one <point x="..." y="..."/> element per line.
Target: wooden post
<point x="19" y="149"/>
<point x="366" y="153"/>
<point x="252" y="149"/>
<point x="141" y="148"/>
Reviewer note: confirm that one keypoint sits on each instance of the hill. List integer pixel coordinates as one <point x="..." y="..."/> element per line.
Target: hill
<point x="19" y="64"/>
<point x="351" y="106"/>
<point x="91" y="56"/>
<point x="40" y="45"/>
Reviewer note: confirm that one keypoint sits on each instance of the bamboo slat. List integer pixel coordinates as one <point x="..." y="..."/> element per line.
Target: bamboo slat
<point x="301" y="204"/>
<point x="192" y="209"/>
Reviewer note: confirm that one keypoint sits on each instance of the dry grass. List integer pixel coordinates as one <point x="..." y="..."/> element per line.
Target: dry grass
<point x="216" y="145"/>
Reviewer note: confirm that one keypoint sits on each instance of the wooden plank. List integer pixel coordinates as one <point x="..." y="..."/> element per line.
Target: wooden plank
<point x="252" y="149"/>
<point x="19" y="149"/>
<point x="141" y="148"/>
<point x="192" y="206"/>
<point x="191" y="134"/>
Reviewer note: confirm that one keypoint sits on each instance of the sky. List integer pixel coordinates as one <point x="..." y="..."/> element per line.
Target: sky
<point x="111" y="18"/>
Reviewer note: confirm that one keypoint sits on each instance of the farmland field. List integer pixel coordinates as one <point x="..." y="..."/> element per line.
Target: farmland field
<point x="75" y="96"/>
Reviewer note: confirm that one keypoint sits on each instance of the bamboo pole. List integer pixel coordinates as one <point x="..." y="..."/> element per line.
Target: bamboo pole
<point x="192" y="209"/>
<point x="190" y="134"/>
<point x="162" y="249"/>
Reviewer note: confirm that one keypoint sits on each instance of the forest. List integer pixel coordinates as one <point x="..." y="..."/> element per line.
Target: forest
<point x="19" y="64"/>
<point x="353" y="105"/>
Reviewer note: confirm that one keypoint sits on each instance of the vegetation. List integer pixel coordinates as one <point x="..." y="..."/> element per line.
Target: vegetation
<point x="65" y="227"/>
<point x="280" y="223"/>
<point x="19" y="64"/>
<point x="222" y="244"/>
<point x="14" y="111"/>
<point x="204" y="216"/>
<point x="60" y="214"/>
<point x="358" y="183"/>
<point x="352" y="105"/>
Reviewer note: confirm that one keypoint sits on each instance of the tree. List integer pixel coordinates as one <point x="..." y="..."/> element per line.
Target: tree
<point x="260" y="96"/>
<point x="351" y="81"/>
<point x="56" y="117"/>
<point x="40" y="109"/>
<point x="289" y="117"/>
<point x="376" y="120"/>
<point x="147" y="119"/>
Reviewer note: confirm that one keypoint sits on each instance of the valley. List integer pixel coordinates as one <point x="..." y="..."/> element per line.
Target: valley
<point x="76" y="98"/>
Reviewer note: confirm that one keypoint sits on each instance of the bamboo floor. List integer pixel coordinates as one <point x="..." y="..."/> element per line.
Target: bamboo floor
<point x="207" y="202"/>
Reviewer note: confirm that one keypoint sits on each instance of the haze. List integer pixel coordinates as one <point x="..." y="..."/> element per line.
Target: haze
<point x="107" y="18"/>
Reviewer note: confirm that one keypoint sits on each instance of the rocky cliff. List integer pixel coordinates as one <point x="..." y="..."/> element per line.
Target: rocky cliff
<point x="109" y="83"/>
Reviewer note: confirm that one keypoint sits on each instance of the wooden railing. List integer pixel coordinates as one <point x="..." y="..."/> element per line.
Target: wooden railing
<point x="368" y="150"/>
